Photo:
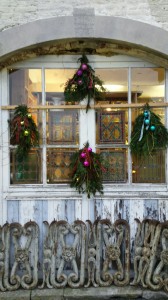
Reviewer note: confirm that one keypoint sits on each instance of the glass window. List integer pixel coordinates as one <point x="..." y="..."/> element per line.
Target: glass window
<point x="61" y="127"/>
<point x="27" y="170"/>
<point x="25" y="87"/>
<point x="148" y="85"/>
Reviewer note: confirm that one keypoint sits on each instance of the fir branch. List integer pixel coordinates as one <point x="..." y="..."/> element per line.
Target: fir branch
<point x="23" y="131"/>
<point x="154" y="137"/>
<point x="86" y="178"/>
<point x="84" y="84"/>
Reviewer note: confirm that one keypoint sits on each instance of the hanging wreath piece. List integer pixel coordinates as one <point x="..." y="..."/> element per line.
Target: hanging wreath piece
<point x="87" y="171"/>
<point x="148" y="135"/>
<point x="83" y="84"/>
<point x="23" y="131"/>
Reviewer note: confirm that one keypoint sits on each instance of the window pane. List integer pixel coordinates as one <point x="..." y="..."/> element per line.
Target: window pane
<point x="55" y="80"/>
<point x="148" y="84"/>
<point x="111" y="135"/>
<point x="112" y="127"/>
<point x="116" y="83"/>
<point x="150" y="169"/>
<point x="62" y="127"/>
<point x="25" y="87"/>
<point x="58" y="162"/>
<point x="115" y="163"/>
<point x="27" y="170"/>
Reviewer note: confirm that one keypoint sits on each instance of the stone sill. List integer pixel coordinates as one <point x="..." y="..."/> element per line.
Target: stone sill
<point x="100" y="293"/>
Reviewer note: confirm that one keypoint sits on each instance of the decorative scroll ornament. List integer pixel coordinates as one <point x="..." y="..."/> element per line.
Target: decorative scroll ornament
<point x="60" y="255"/>
<point x="23" y="131"/>
<point x="83" y="84"/>
<point x="151" y="255"/>
<point x="80" y="255"/>
<point x="87" y="171"/>
<point x="24" y="270"/>
<point x="148" y="135"/>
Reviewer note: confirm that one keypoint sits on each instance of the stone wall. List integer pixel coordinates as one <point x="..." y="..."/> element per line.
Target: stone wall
<point x="13" y="13"/>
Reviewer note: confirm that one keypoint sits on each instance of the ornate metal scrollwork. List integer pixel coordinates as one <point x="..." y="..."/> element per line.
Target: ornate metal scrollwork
<point x="64" y="254"/>
<point x="24" y="270"/>
<point x="81" y="255"/>
<point x="151" y="255"/>
<point x="111" y="239"/>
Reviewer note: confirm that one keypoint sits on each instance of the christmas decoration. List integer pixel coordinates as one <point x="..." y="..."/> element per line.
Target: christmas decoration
<point x="83" y="84"/>
<point x="23" y="131"/>
<point x="87" y="168"/>
<point x="148" y="135"/>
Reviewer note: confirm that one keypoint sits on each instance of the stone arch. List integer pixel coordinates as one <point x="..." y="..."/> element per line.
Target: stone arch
<point x="106" y="35"/>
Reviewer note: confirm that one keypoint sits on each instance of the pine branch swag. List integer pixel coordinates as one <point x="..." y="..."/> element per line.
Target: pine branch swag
<point x="86" y="171"/>
<point x="83" y="84"/>
<point x="148" y="135"/>
<point x="23" y="131"/>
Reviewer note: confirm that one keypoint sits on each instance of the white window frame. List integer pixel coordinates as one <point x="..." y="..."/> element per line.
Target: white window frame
<point x="68" y="61"/>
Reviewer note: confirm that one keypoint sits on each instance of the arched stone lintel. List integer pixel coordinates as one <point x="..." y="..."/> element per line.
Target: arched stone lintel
<point x="133" y="37"/>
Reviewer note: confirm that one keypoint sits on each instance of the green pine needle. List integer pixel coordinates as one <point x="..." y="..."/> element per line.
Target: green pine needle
<point x="85" y="85"/>
<point x="23" y="131"/>
<point x="86" y="179"/>
<point x="151" y="140"/>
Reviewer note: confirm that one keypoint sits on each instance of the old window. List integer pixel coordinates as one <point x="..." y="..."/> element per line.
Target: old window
<point x="64" y="129"/>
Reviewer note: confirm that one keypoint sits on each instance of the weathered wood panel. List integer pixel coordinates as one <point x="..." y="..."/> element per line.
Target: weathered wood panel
<point x="13" y="211"/>
<point x="83" y="209"/>
<point x="151" y="209"/>
<point x="163" y="210"/>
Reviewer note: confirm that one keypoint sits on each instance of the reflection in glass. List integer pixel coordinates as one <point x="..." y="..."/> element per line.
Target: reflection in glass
<point x="115" y="82"/>
<point x="150" y="169"/>
<point x="25" y="87"/>
<point x="55" y="80"/>
<point x="148" y="85"/>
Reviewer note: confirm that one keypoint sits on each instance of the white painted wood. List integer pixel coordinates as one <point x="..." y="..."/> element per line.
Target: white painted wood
<point x="13" y="211"/>
<point x="57" y="61"/>
<point x="5" y="164"/>
<point x="56" y="210"/>
<point x="26" y="211"/>
<point x="87" y="127"/>
<point x="163" y="210"/>
<point x="98" y="209"/>
<point x="78" y="209"/>
<point x="136" y="211"/>
<point x="85" y="208"/>
<point x="106" y="209"/>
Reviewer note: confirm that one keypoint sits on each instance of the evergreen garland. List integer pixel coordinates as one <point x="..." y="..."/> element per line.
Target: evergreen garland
<point x="23" y="131"/>
<point x="86" y="167"/>
<point x="148" y="135"/>
<point x="83" y="84"/>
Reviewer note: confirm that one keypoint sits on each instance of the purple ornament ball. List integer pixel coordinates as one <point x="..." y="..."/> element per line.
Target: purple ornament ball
<point x="86" y="163"/>
<point x="79" y="72"/>
<point x="84" y="67"/>
<point x="83" y="155"/>
<point x="89" y="149"/>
